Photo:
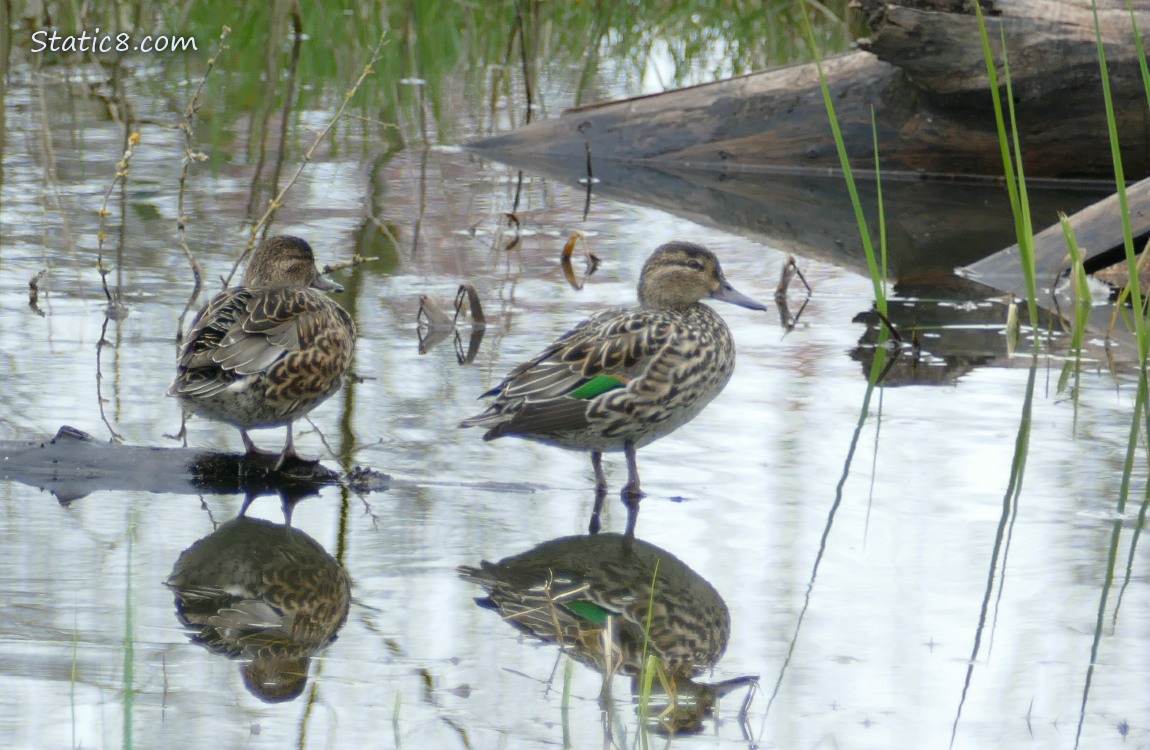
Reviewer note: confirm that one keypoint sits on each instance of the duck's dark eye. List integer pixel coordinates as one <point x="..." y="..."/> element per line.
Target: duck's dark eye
<point x="695" y="265"/>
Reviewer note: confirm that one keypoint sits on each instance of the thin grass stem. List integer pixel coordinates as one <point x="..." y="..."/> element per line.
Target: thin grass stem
<point x="1140" y="329"/>
<point x="878" y="278"/>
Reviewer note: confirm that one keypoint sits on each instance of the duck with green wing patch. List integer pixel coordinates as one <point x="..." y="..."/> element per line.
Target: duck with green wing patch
<point x="624" y="378"/>
<point x="612" y="602"/>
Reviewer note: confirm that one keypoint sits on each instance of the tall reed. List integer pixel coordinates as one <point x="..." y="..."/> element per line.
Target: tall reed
<point x="877" y="272"/>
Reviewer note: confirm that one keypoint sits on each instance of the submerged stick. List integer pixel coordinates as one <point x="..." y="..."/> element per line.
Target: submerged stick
<point x="191" y="154"/>
<point x="34" y="292"/>
<point x="120" y="175"/>
<point x="565" y="261"/>
<point x="277" y="201"/>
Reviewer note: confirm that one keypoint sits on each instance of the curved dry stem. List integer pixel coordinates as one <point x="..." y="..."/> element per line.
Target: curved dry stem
<point x="121" y="175"/>
<point x="117" y="437"/>
<point x="191" y="154"/>
<point x="277" y="201"/>
<point x="467" y="291"/>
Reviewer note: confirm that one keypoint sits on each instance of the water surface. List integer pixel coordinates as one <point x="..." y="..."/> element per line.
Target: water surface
<point x="882" y="580"/>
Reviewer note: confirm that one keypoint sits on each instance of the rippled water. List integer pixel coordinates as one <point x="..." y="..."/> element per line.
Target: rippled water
<point x="883" y="582"/>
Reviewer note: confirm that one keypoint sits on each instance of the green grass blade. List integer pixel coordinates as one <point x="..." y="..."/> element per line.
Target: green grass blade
<point x="128" y="680"/>
<point x="1024" y="230"/>
<point x="1140" y="330"/>
<point x="1141" y="51"/>
<point x="1011" y="152"/>
<point x="1083" y="301"/>
<point x="877" y="279"/>
<point x="878" y="192"/>
<point x="999" y="120"/>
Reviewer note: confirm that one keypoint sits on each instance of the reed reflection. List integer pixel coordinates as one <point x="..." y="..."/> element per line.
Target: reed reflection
<point x="265" y="594"/>
<point x="610" y="601"/>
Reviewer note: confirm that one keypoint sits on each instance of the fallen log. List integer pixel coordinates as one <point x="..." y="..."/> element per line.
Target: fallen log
<point x="922" y="73"/>
<point x="73" y="464"/>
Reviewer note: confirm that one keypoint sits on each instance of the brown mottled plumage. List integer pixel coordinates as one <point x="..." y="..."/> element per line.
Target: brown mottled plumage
<point x="564" y="591"/>
<point x="264" y="593"/>
<point x="268" y="352"/>
<point x="624" y="378"/>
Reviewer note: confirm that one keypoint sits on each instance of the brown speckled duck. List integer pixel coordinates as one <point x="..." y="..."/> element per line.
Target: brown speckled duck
<point x="269" y="351"/>
<point x="624" y="378"/>
<point x="263" y="593"/>
<point x="575" y="591"/>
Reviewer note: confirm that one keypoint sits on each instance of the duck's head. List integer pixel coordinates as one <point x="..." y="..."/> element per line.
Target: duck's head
<point x="285" y="261"/>
<point x="275" y="679"/>
<point x="679" y="274"/>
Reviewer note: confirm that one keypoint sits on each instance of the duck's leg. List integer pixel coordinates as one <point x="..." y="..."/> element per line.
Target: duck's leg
<point x="632" y="519"/>
<point x="600" y="491"/>
<point x="289" y="449"/>
<point x="600" y="477"/>
<point x="251" y="451"/>
<point x="631" y="491"/>
<point x="594" y="526"/>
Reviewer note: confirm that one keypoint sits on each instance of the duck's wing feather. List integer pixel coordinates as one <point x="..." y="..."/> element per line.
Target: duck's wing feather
<point x="551" y="392"/>
<point x="244" y="332"/>
<point x="614" y="343"/>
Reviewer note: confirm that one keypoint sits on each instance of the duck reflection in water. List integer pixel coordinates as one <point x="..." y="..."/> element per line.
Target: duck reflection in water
<point x="264" y="593"/>
<point x="590" y="595"/>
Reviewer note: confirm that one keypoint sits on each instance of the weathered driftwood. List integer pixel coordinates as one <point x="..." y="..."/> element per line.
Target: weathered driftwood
<point x="1097" y="232"/>
<point x="923" y="73"/>
<point x="73" y="464"/>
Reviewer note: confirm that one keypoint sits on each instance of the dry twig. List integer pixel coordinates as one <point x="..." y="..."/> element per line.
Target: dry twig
<point x="191" y="154"/>
<point x="114" y="306"/>
<point x="568" y="269"/>
<point x="277" y="201"/>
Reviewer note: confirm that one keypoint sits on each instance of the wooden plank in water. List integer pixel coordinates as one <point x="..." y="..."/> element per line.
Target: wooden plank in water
<point x="1097" y="230"/>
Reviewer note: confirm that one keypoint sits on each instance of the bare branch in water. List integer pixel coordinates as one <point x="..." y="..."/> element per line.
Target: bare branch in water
<point x="468" y="292"/>
<point x="433" y="325"/>
<point x="34" y="292"/>
<point x="99" y="379"/>
<point x="356" y="260"/>
<point x="191" y="154"/>
<point x="277" y="201"/>
<point x="565" y="261"/>
<point x="790" y="270"/>
<point x="431" y="316"/>
<point x="116" y="309"/>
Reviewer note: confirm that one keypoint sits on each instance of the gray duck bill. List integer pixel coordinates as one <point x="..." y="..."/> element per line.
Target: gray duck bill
<point x="728" y="293"/>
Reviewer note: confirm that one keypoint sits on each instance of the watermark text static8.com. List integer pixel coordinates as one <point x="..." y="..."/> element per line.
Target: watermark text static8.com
<point x="52" y="41"/>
